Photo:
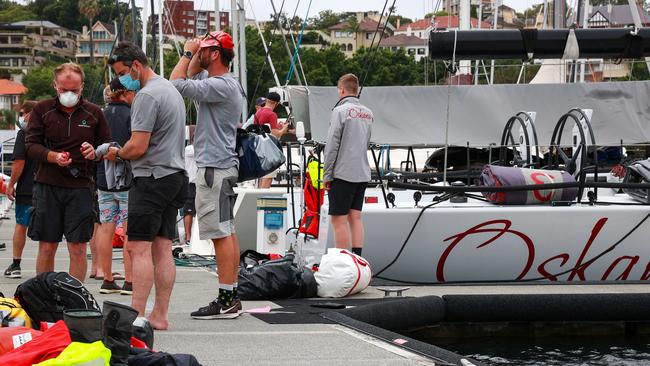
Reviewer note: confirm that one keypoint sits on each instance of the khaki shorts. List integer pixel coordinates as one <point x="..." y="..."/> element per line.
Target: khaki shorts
<point x="215" y="202"/>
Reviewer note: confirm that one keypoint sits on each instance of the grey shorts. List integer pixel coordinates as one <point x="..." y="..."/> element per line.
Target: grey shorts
<point x="215" y="202"/>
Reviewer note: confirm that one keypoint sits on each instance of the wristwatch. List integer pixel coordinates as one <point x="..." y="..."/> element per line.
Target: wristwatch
<point x="187" y="54"/>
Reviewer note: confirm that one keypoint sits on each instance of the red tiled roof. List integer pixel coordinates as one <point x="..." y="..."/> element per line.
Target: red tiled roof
<point x="416" y="25"/>
<point x="8" y="87"/>
<point x="446" y="21"/>
<point x="367" y="25"/>
<point x="403" y="40"/>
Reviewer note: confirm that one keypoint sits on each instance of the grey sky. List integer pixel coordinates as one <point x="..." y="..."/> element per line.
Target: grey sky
<point x="414" y="9"/>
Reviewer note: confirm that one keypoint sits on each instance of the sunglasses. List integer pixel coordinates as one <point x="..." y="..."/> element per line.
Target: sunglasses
<point x="210" y="35"/>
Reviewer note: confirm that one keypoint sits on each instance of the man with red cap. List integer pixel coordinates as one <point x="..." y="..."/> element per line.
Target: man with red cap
<point x="203" y="75"/>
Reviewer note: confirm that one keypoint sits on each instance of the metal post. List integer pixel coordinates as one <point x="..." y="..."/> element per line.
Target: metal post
<point x="145" y="18"/>
<point x="134" y="36"/>
<point x="235" y="37"/>
<point x="160" y="40"/>
<point x="381" y="181"/>
<point x="585" y="16"/>
<point x="634" y="10"/>
<point x="495" y="21"/>
<point x="217" y="16"/>
<point x="558" y="14"/>
<point x="243" y="74"/>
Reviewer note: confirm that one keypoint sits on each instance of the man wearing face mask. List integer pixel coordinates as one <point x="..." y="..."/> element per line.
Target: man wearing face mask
<point x="220" y="97"/>
<point x="113" y="203"/>
<point x="160" y="183"/>
<point x="59" y="135"/>
<point x="22" y="172"/>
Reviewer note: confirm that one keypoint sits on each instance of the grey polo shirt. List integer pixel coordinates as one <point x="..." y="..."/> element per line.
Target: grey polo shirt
<point x="158" y="108"/>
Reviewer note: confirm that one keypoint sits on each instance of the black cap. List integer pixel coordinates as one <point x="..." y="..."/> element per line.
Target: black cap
<point x="116" y="85"/>
<point x="274" y="97"/>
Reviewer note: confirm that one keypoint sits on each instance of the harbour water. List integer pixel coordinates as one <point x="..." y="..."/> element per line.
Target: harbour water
<point x="565" y="351"/>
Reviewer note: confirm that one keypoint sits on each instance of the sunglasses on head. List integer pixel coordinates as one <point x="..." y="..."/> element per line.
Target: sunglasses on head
<point x="210" y="35"/>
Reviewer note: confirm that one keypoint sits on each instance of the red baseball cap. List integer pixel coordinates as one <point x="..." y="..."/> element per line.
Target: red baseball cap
<point x="217" y="39"/>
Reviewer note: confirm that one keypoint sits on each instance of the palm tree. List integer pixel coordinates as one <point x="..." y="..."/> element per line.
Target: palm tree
<point x="354" y="27"/>
<point x="89" y="9"/>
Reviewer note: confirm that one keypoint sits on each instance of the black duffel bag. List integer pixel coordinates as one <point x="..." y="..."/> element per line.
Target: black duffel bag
<point x="45" y="296"/>
<point x="261" y="278"/>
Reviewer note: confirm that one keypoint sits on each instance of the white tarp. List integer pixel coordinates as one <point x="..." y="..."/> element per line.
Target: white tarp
<point x="416" y="115"/>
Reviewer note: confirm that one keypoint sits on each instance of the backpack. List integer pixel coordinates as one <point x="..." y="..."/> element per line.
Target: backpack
<point x="148" y="358"/>
<point x="264" y="277"/>
<point x="12" y="314"/>
<point x="45" y="296"/>
<point x="259" y="153"/>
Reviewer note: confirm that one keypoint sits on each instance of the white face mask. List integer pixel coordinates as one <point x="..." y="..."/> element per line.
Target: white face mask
<point x="69" y="99"/>
<point x="22" y="122"/>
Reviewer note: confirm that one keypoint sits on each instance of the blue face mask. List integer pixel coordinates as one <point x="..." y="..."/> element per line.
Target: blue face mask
<point x="129" y="83"/>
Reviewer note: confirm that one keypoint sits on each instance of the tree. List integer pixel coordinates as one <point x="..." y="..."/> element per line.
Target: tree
<point x="39" y="82"/>
<point x="15" y="13"/>
<point x="89" y="9"/>
<point x="402" y="20"/>
<point x="354" y="27"/>
<point x="325" y="19"/>
<point x="8" y="119"/>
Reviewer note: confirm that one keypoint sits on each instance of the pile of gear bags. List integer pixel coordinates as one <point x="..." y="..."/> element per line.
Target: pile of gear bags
<point x="54" y="321"/>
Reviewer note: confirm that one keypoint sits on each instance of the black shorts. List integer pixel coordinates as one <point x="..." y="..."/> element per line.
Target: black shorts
<point x="189" y="207"/>
<point x="153" y="206"/>
<point x="344" y="196"/>
<point x="62" y="211"/>
<point x="96" y="198"/>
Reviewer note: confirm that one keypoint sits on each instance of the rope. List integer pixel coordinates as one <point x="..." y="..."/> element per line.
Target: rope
<point x="453" y="62"/>
<point x="295" y="53"/>
<point x="367" y="58"/>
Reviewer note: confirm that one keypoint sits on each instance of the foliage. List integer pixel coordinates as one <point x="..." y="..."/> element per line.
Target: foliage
<point x="39" y="82"/>
<point x="65" y="13"/>
<point x="325" y="19"/>
<point x="11" y="12"/>
<point x="8" y="119"/>
<point x="403" y="20"/>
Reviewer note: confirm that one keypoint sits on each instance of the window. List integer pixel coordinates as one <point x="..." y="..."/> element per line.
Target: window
<point x="350" y="47"/>
<point x="15" y="96"/>
<point x="411" y="51"/>
<point x="368" y="36"/>
<point x="337" y="34"/>
<point x="100" y="35"/>
<point x="343" y="48"/>
<point x="421" y="51"/>
<point x="4" y="40"/>
<point x="190" y="22"/>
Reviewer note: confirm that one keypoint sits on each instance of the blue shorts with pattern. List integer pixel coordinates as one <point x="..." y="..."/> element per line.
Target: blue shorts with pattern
<point x="113" y="207"/>
<point x="23" y="212"/>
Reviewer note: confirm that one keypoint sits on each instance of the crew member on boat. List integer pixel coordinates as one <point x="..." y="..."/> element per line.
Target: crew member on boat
<point x="346" y="164"/>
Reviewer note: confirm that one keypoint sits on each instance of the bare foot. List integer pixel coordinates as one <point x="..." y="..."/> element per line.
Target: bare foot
<point x="158" y="324"/>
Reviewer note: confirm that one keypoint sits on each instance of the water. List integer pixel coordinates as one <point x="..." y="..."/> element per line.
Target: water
<point x="569" y="351"/>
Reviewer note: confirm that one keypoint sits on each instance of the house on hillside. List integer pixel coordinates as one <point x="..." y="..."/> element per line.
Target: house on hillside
<point x="10" y="93"/>
<point x="615" y="16"/>
<point x="350" y="36"/>
<point x="29" y="43"/>
<point x="103" y="39"/>
<point x="412" y="45"/>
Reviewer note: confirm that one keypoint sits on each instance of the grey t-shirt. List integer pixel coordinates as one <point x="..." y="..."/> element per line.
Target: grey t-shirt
<point x="159" y="108"/>
<point x="220" y="103"/>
